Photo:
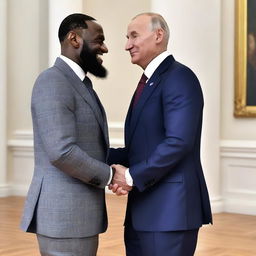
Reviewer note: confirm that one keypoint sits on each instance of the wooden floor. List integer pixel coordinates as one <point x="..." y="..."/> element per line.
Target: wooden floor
<point x="231" y="234"/>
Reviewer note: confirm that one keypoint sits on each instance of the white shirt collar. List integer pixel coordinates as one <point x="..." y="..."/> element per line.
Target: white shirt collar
<point x="153" y="65"/>
<point x="74" y="66"/>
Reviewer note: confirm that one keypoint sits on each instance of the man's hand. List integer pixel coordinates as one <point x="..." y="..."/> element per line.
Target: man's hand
<point x="118" y="184"/>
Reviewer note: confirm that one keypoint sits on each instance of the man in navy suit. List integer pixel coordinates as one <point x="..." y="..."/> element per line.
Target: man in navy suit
<point x="160" y="164"/>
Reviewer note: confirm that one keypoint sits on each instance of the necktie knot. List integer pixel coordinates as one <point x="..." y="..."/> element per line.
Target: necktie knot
<point x="87" y="82"/>
<point x="143" y="79"/>
<point x="139" y="89"/>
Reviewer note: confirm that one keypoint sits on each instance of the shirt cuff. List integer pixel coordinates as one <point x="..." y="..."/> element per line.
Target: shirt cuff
<point x="128" y="177"/>
<point x="110" y="176"/>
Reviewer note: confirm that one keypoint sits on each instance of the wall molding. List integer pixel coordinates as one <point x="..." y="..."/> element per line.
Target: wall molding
<point x="237" y="158"/>
<point x="4" y="190"/>
<point x="22" y="155"/>
<point x="240" y="206"/>
<point x="116" y="131"/>
<point x="217" y="204"/>
<point x="23" y="139"/>
<point x="238" y="148"/>
<point x="238" y="176"/>
<point x="118" y="126"/>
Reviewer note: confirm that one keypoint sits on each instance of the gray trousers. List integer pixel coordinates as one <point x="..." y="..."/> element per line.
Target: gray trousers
<point x="86" y="246"/>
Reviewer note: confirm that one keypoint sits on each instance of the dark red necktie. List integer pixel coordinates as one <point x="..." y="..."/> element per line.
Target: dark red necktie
<point x="139" y="89"/>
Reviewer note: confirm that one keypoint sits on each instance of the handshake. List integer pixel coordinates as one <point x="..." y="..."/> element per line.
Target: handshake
<point x="118" y="184"/>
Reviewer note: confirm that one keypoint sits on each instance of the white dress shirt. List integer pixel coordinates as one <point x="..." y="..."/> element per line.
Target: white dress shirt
<point x="153" y="65"/>
<point x="74" y="66"/>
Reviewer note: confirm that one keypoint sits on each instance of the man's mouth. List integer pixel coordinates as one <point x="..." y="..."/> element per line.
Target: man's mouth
<point x="99" y="59"/>
<point x="132" y="53"/>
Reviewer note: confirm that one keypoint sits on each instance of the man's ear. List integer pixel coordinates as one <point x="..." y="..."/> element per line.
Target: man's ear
<point x="74" y="39"/>
<point x="159" y="35"/>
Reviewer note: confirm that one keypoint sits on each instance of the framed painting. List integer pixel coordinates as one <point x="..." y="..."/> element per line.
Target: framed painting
<point x="245" y="59"/>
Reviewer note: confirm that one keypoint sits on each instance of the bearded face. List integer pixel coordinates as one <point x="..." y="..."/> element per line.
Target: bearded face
<point x="90" y="62"/>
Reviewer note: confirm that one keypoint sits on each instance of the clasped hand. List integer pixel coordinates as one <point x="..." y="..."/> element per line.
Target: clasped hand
<point x="118" y="184"/>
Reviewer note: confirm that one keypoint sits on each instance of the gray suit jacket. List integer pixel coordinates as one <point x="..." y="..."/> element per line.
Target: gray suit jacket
<point x="66" y="198"/>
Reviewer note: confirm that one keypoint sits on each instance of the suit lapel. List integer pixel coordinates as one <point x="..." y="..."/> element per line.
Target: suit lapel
<point x="104" y="118"/>
<point x="80" y="87"/>
<point x="133" y="114"/>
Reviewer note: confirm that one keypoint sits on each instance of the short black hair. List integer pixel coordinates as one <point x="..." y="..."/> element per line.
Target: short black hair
<point x="75" y="20"/>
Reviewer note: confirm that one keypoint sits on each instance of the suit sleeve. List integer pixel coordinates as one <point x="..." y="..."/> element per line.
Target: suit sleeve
<point x="182" y="104"/>
<point x="53" y="113"/>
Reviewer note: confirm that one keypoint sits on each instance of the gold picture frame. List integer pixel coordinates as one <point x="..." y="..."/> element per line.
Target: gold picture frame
<point x="245" y="74"/>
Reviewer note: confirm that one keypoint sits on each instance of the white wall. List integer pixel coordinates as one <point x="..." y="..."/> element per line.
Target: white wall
<point x="3" y="91"/>
<point x="27" y="55"/>
<point x="202" y="37"/>
<point x="195" y="40"/>
<point x="231" y="128"/>
<point x="238" y="136"/>
<point x="204" y="40"/>
<point x="40" y="48"/>
<point x="23" y="65"/>
<point x="116" y="91"/>
<point x="57" y="11"/>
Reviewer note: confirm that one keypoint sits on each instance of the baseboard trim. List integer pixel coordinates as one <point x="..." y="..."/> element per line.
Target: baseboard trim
<point x="240" y="206"/>
<point x="217" y="205"/>
<point x="19" y="190"/>
<point x="4" y="190"/>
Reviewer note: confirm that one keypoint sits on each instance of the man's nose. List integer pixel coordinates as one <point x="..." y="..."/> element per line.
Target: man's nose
<point x="128" y="45"/>
<point x="104" y="48"/>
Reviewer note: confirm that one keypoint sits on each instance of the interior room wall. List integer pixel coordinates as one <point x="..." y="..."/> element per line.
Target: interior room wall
<point x="232" y="128"/>
<point x="26" y="45"/>
<point x="116" y="91"/>
<point x="195" y="40"/>
<point x="27" y="55"/>
<point x="238" y="136"/>
<point x="3" y="92"/>
<point x="202" y="37"/>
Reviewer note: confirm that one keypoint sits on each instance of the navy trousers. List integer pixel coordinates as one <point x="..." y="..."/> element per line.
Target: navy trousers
<point x="173" y="243"/>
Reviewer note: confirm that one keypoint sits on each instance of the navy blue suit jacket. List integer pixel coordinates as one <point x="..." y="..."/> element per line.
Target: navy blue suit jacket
<point x="162" y="150"/>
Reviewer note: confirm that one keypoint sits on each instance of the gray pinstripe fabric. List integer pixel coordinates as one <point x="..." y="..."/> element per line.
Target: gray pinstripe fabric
<point x="68" y="247"/>
<point x="66" y="197"/>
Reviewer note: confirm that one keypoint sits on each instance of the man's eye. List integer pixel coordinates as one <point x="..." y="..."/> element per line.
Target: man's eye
<point x="100" y="42"/>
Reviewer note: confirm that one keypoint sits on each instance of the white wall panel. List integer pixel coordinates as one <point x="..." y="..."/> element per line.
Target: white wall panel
<point x="195" y="40"/>
<point x="238" y="167"/>
<point x="3" y="95"/>
<point x="58" y="10"/>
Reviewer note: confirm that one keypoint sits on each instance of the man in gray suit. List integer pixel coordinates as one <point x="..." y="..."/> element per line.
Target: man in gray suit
<point x="65" y="205"/>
